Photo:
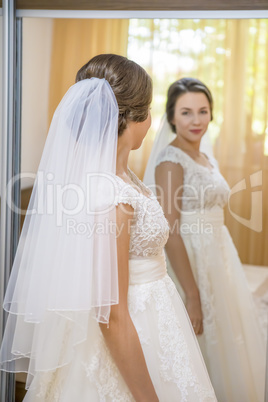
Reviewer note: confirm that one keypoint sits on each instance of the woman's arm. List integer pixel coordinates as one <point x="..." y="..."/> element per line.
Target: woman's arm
<point x="121" y="336"/>
<point x="169" y="180"/>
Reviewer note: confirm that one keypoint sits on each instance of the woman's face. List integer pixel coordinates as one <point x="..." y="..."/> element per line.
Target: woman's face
<point x="191" y="116"/>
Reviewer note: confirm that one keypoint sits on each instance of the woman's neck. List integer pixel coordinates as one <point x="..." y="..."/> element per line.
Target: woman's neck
<point x="191" y="147"/>
<point x="123" y="151"/>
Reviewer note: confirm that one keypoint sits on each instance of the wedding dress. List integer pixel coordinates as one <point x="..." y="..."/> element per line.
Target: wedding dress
<point x="171" y="351"/>
<point x="232" y="343"/>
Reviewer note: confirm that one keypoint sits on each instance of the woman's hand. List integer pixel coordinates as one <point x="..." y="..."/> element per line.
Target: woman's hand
<point x="193" y="306"/>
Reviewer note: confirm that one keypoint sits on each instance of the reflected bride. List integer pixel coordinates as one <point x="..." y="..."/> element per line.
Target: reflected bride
<point x="205" y="263"/>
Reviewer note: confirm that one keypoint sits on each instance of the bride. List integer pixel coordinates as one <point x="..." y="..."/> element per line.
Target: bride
<point x="200" y="250"/>
<point x="93" y="315"/>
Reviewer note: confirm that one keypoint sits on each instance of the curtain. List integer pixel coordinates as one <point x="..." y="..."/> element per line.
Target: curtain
<point x="242" y="149"/>
<point x="75" y="41"/>
<point x="231" y="57"/>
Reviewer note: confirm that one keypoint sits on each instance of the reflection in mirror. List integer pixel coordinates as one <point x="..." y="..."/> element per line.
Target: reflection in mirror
<point x="230" y="56"/>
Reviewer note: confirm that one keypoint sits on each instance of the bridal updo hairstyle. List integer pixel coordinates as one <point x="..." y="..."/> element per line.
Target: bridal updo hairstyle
<point x="181" y="87"/>
<point x="130" y="83"/>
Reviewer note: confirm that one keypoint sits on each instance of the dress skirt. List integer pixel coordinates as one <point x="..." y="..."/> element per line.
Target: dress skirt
<point x="232" y="344"/>
<point x="172" y="354"/>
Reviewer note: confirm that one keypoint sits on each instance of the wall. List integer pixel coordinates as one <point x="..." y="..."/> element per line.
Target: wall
<point x="37" y="34"/>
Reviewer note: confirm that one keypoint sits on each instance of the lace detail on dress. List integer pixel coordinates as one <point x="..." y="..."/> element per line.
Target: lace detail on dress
<point x="149" y="229"/>
<point x="127" y="194"/>
<point x="170" y="154"/>
<point x="104" y="374"/>
<point x="50" y="387"/>
<point x="51" y="383"/>
<point x="175" y="361"/>
<point x="261" y="303"/>
<point x="203" y="188"/>
<point x="204" y="285"/>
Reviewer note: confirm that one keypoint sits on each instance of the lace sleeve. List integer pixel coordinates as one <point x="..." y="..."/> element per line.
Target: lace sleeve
<point x="126" y="194"/>
<point x="175" y="155"/>
<point x="213" y="161"/>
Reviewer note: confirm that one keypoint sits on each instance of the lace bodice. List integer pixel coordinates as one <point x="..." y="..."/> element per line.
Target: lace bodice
<point x="203" y="188"/>
<point x="149" y="228"/>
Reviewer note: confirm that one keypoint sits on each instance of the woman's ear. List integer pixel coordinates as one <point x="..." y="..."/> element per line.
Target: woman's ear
<point x="173" y="121"/>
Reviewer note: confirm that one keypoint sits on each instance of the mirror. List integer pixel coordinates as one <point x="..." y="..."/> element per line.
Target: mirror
<point x="45" y="81"/>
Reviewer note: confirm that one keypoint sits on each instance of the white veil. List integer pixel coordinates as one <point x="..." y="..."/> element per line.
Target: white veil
<point x="165" y="136"/>
<point x="64" y="275"/>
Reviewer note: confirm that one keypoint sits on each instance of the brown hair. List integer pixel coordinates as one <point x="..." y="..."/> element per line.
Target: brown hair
<point x="181" y="87"/>
<point x="130" y="83"/>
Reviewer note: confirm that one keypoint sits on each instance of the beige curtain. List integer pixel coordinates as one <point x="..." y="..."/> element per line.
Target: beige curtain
<point x="231" y="56"/>
<point x="241" y="147"/>
<point x="75" y="41"/>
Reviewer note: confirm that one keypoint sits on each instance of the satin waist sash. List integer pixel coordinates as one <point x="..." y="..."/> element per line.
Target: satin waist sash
<point x="201" y="222"/>
<point x="144" y="270"/>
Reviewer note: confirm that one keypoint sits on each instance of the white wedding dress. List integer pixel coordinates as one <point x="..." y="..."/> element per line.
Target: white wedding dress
<point x="232" y="344"/>
<point x="171" y="351"/>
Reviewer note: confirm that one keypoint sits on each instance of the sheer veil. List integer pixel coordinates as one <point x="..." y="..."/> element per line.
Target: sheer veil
<point x="165" y="136"/>
<point x="64" y="274"/>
